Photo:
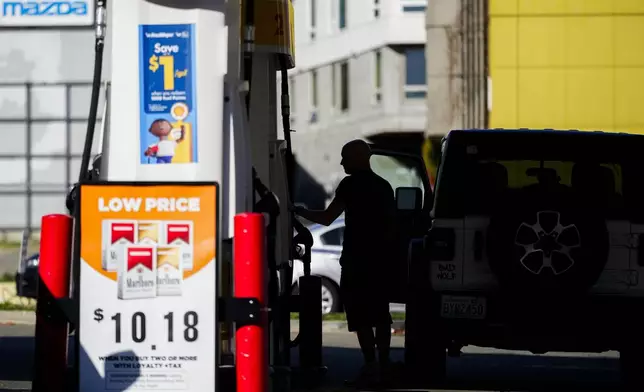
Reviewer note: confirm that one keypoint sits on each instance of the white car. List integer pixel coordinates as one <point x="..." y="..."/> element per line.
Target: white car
<point x="325" y="263"/>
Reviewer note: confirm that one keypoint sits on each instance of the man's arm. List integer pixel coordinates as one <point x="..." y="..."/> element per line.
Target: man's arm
<point x="322" y="217"/>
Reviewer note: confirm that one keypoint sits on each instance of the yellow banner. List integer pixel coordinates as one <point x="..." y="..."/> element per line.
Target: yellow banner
<point x="113" y="216"/>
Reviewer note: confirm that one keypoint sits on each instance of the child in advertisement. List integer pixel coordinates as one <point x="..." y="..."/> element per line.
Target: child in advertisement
<point x="166" y="146"/>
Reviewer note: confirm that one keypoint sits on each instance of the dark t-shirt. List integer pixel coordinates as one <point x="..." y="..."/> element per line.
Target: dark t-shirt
<point x="369" y="210"/>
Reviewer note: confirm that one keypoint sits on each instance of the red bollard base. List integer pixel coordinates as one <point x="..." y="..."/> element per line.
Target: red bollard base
<point x="50" y="364"/>
<point x="251" y="339"/>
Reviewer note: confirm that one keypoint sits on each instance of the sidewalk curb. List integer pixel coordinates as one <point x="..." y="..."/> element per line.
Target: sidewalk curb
<point x="17" y="317"/>
<point x="327" y="326"/>
<point x="341" y="326"/>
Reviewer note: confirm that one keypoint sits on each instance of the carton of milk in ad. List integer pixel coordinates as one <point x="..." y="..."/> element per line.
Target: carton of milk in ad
<point x="181" y="234"/>
<point x="115" y="235"/>
<point x="169" y="271"/>
<point x="137" y="273"/>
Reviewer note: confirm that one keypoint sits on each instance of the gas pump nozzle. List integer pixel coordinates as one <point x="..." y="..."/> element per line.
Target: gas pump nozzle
<point x="92" y="175"/>
<point x="303" y="242"/>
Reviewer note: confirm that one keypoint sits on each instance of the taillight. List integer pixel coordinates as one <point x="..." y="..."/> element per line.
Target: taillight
<point x="640" y="250"/>
<point x="439" y="244"/>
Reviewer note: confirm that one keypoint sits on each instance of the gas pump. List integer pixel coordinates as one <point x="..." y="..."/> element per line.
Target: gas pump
<point x="154" y="217"/>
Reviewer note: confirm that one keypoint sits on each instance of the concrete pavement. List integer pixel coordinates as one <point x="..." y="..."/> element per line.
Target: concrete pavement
<point x="478" y="369"/>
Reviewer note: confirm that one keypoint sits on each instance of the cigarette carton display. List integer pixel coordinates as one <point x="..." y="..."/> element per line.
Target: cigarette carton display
<point x="181" y="234"/>
<point x="116" y="234"/>
<point x="169" y="271"/>
<point x="137" y="273"/>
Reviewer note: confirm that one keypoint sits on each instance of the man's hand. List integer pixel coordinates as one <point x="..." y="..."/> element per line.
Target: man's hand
<point x="297" y="210"/>
<point x="322" y="217"/>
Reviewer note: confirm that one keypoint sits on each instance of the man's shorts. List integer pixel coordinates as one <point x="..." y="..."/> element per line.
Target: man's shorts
<point x="365" y="302"/>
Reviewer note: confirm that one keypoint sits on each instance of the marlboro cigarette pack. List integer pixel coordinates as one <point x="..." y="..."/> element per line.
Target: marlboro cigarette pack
<point x="116" y="234"/>
<point x="181" y="234"/>
<point x="137" y="273"/>
<point x="149" y="232"/>
<point x="169" y="271"/>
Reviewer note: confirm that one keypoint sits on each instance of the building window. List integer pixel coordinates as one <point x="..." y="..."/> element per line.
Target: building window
<point x="333" y="237"/>
<point x="414" y="8"/>
<point x="314" y="89"/>
<point x="314" y="97"/>
<point x="378" y="76"/>
<point x="334" y="86"/>
<point x="376" y="9"/>
<point x="415" y="72"/>
<point x="313" y="18"/>
<point x="342" y="11"/>
<point x="344" y="86"/>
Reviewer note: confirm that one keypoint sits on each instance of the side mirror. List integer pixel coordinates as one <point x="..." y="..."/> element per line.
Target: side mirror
<point x="409" y="199"/>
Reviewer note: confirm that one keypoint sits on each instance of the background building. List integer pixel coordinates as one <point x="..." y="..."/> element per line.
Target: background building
<point x="46" y="64"/>
<point x="566" y="64"/>
<point x="360" y="74"/>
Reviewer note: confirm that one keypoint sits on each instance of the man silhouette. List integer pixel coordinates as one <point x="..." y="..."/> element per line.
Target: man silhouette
<point x="369" y="206"/>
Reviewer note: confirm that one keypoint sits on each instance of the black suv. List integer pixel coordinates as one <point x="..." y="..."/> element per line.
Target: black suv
<point x="536" y="243"/>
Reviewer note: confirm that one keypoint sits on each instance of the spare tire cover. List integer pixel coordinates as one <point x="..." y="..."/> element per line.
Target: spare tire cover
<point x="547" y="244"/>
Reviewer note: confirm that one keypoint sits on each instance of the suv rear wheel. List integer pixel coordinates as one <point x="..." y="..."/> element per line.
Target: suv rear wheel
<point x="547" y="244"/>
<point x="631" y="364"/>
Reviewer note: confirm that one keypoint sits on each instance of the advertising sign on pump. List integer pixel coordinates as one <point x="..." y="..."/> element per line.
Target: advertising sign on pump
<point x="46" y="13"/>
<point x="148" y="287"/>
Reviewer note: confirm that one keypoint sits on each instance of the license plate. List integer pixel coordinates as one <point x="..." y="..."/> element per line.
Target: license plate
<point x="463" y="307"/>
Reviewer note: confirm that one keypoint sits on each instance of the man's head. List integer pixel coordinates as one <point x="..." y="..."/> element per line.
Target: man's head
<point x="355" y="156"/>
<point x="160" y="128"/>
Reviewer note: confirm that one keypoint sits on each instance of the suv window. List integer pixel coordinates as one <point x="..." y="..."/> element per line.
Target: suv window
<point x="333" y="237"/>
<point x="398" y="171"/>
<point x="478" y="167"/>
<point x="490" y="179"/>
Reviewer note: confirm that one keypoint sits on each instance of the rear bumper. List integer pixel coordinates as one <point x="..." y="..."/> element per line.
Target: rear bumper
<point x="596" y="323"/>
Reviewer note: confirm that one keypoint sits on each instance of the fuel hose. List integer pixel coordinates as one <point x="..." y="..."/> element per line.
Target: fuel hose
<point x="99" y="46"/>
<point x="84" y="175"/>
<point x="290" y="158"/>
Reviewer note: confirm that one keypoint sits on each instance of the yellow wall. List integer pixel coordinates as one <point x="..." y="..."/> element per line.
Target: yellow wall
<point x="567" y="64"/>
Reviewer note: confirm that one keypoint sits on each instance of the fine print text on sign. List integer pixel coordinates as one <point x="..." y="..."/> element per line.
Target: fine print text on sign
<point x="168" y="94"/>
<point x="148" y="287"/>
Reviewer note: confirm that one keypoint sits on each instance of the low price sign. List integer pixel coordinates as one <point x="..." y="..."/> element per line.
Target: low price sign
<point x="148" y="287"/>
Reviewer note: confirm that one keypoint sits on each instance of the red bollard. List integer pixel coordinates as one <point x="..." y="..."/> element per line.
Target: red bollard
<point x="51" y="324"/>
<point x="249" y="255"/>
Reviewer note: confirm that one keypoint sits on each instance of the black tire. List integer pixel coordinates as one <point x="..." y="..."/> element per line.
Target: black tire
<point x="332" y="289"/>
<point x="425" y="351"/>
<point x="631" y="362"/>
<point x="336" y="306"/>
<point x="538" y="229"/>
